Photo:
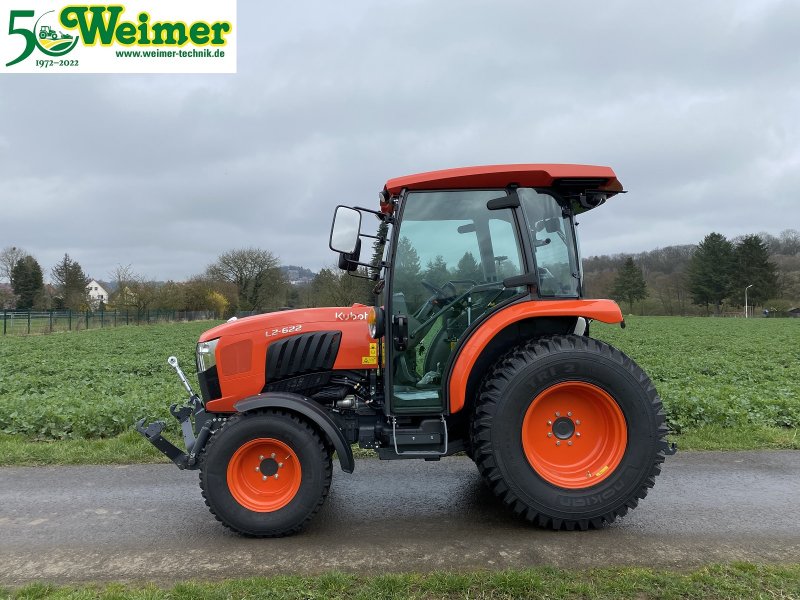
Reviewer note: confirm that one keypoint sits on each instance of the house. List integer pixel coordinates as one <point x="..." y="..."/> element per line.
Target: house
<point x="97" y="293"/>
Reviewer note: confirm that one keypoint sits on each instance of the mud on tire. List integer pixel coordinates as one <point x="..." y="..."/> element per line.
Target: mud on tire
<point x="514" y="435"/>
<point x="238" y="471"/>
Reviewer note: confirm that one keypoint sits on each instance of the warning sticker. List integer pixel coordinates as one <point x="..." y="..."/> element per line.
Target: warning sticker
<point x="369" y="360"/>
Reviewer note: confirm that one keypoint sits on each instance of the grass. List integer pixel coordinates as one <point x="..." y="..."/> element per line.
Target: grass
<point x="718" y="582"/>
<point x="71" y="398"/>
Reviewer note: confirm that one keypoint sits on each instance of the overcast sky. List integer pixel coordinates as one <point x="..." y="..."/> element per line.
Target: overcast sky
<point x="696" y="105"/>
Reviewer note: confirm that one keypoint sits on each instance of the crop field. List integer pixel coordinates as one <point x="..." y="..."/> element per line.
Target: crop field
<point x="729" y="373"/>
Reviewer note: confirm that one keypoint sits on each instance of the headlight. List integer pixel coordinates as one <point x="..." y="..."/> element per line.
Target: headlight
<point x="206" y="355"/>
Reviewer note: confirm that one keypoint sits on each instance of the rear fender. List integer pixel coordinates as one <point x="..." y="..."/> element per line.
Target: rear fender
<point x="471" y="350"/>
<point x="309" y="410"/>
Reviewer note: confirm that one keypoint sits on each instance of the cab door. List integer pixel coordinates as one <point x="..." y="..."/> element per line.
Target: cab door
<point x="451" y="254"/>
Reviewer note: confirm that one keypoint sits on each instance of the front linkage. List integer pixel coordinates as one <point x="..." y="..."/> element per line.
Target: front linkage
<point x="195" y="435"/>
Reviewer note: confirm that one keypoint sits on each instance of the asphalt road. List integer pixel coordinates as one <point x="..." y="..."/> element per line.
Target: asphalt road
<point x="149" y="523"/>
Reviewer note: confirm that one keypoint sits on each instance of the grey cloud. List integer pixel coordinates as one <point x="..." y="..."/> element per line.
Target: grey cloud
<point x="693" y="104"/>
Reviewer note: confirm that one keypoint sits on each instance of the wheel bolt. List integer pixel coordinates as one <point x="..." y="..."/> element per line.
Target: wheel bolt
<point x="261" y="457"/>
<point x="549" y="434"/>
<point x="569" y="443"/>
<point x="558" y="443"/>
<point x="264" y="478"/>
<point x="577" y="422"/>
<point x="569" y="414"/>
<point x="578" y="434"/>
<point x="272" y="455"/>
<point x="558" y="414"/>
<point x="280" y="465"/>
<point x="549" y="422"/>
<point x="257" y="469"/>
<point x="276" y="475"/>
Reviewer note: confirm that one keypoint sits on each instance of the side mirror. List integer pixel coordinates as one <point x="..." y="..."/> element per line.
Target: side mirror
<point x="345" y="229"/>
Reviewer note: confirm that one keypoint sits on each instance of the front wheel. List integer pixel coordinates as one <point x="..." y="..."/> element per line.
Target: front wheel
<point x="265" y="474"/>
<point x="568" y="432"/>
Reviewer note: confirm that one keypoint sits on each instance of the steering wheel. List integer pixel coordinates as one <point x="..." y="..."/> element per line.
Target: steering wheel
<point x="438" y="296"/>
<point x="438" y="292"/>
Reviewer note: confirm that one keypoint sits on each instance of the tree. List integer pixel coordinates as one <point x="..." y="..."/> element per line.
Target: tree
<point x="752" y="266"/>
<point x="436" y="271"/>
<point x="378" y="248"/>
<point x="629" y="284"/>
<point x="407" y="274"/>
<point x="710" y="270"/>
<point x="28" y="283"/>
<point x="259" y="281"/>
<point x="218" y="302"/>
<point x="8" y="299"/>
<point x="71" y="282"/>
<point x="334" y="287"/>
<point x="468" y="268"/>
<point x="9" y="257"/>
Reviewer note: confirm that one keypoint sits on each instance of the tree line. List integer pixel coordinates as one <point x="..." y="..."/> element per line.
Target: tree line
<point x="676" y="280"/>
<point x="700" y="279"/>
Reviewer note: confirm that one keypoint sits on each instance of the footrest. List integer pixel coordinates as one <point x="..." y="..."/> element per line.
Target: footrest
<point x="429" y="439"/>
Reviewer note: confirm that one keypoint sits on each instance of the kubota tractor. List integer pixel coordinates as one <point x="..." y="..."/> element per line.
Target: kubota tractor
<point x="478" y="342"/>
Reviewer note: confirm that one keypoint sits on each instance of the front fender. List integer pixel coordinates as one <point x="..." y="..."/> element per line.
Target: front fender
<point x="311" y="411"/>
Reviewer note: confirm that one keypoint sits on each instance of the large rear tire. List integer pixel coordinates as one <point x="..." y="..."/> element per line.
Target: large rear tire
<point x="568" y="432"/>
<point x="265" y="474"/>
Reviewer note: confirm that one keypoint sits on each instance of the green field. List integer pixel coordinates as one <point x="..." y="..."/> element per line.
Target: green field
<point x="724" y="381"/>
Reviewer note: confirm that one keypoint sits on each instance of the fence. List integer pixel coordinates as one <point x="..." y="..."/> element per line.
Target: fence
<point x="27" y="322"/>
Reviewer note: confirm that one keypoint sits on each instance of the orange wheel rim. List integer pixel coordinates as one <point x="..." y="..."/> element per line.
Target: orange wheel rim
<point x="574" y="435"/>
<point x="264" y="475"/>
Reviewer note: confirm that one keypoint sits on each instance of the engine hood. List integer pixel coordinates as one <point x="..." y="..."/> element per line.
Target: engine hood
<point x="288" y="318"/>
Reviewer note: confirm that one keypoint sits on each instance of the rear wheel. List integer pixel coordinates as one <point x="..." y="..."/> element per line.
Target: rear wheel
<point x="568" y="432"/>
<point x="265" y="474"/>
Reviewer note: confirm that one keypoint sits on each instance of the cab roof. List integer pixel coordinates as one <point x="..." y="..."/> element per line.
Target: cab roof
<point x="501" y="176"/>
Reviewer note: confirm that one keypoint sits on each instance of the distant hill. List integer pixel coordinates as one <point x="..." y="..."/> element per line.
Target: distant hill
<point x="298" y="275"/>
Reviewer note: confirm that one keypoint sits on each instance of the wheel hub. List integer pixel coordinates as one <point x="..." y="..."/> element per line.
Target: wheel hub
<point x="268" y="467"/>
<point x="564" y="428"/>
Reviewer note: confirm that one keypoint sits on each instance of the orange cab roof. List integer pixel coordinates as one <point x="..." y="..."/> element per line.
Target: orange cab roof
<point x="500" y="176"/>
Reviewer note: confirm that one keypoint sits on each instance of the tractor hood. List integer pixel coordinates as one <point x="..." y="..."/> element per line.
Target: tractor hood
<point x="287" y="319"/>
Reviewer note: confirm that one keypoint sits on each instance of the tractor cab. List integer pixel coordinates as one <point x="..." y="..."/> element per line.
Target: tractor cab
<point x="460" y="245"/>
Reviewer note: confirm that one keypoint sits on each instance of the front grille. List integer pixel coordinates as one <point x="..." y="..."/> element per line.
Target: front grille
<point x="209" y="384"/>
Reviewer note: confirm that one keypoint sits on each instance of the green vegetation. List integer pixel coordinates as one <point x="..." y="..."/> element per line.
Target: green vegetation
<point x="72" y="398"/>
<point x="709" y="583"/>
<point x="92" y="384"/>
<point x="729" y="373"/>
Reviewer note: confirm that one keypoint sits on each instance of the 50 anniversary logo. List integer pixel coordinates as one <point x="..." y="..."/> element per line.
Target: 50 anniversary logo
<point x="109" y="40"/>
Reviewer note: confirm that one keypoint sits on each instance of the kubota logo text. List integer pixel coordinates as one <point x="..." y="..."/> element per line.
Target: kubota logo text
<point x="351" y="316"/>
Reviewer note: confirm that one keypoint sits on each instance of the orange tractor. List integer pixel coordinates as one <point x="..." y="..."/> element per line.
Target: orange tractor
<point x="478" y="342"/>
